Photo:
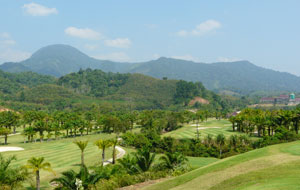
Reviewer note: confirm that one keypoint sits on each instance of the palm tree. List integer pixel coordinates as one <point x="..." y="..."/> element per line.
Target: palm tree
<point x="173" y="160"/>
<point x="29" y="132"/>
<point x="4" y="132"/>
<point x="103" y="144"/>
<point x="70" y="180"/>
<point x="11" y="177"/>
<point x="38" y="164"/>
<point x="114" y="143"/>
<point x="220" y="141"/>
<point x="144" y="159"/>
<point x="233" y="141"/>
<point x="129" y="163"/>
<point x="81" y="145"/>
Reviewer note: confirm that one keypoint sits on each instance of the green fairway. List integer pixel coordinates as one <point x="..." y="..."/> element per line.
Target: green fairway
<point x="198" y="162"/>
<point x="212" y="126"/>
<point x="62" y="154"/>
<point x="275" y="167"/>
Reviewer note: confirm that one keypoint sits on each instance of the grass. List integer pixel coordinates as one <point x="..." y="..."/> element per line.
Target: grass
<point x="212" y="126"/>
<point x="62" y="154"/>
<point x="275" y="167"/>
<point x="198" y="162"/>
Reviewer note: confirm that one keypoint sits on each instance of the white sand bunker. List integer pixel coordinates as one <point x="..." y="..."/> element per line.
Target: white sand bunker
<point x="209" y="127"/>
<point x="5" y="149"/>
<point x="195" y="125"/>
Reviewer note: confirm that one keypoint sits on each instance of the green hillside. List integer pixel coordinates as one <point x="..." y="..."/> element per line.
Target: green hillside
<point x="275" y="167"/>
<point x="86" y="88"/>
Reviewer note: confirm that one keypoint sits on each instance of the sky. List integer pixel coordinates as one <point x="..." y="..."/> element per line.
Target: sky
<point x="264" y="32"/>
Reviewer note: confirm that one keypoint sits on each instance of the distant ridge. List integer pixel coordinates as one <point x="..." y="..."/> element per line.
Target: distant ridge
<point x="240" y="77"/>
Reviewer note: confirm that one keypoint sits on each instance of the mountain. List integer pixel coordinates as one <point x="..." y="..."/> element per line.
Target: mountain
<point x="58" y="60"/>
<point x="240" y="77"/>
<point x="14" y="67"/>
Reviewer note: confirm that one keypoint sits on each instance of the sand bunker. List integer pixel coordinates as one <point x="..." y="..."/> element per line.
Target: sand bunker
<point x="209" y="127"/>
<point x="5" y="149"/>
<point x="195" y="125"/>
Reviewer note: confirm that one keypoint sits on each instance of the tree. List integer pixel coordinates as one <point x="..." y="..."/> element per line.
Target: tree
<point x="81" y="145"/>
<point x="114" y="143"/>
<point x="220" y="139"/>
<point x="144" y="159"/>
<point x="129" y="163"/>
<point x="4" y="132"/>
<point x="11" y="177"/>
<point x="199" y="118"/>
<point x="29" y="132"/>
<point x="103" y="144"/>
<point x="36" y="164"/>
<point x="9" y="119"/>
<point x="173" y="160"/>
<point x="70" y="180"/>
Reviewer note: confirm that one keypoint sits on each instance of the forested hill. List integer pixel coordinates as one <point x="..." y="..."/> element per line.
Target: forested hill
<point x="240" y="77"/>
<point x="114" y="90"/>
<point x="137" y="89"/>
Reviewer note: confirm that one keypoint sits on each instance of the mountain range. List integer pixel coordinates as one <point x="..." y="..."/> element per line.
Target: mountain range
<point x="240" y="77"/>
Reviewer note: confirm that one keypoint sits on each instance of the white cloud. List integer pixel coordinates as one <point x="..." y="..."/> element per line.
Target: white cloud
<point x="182" y="33"/>
<point x="226" y="59"/>
<point x="85" y="33"/>
<point x="5" y="35"/>
<point x="186" y="57"/>
<point x="91" y="47"/>
<point x="38" y="10"/>
<point x="117" y="56"/>
<point x="156" y="56"/>
<point x="118" y="43"/>
<point x="6" y="40"/>
<point x="13" y="55"/>
<point x="7" y="53"/>
<point x="201" y="29"/>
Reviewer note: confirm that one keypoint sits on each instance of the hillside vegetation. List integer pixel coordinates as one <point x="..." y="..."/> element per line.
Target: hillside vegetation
<point x="85" y="88"/>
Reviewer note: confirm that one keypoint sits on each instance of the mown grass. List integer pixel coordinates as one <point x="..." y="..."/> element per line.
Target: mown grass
<point x="62" y="154"/>
<point x="274" y="167"/>
<point x="212" y="126"/>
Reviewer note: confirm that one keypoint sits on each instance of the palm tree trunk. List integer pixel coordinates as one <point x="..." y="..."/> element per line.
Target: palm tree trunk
<point x="220" y="151"/>
<point x="103" y="155"/>
<point x="38" y="180"/>
<point x="82" y="158"/>
<point x="5" y="139"/>
<point x="114" y="155"/>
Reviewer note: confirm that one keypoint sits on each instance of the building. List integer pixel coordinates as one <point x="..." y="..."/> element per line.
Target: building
<point x="282" y="99"/>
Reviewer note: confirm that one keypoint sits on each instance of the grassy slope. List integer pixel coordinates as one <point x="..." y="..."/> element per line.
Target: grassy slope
<point x="62" y="154"/>
<point x="189" y="130"/>
<point x="274" y="167"/>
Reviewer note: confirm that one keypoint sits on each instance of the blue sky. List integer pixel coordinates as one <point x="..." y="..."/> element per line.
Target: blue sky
<point x="265" y="32"/>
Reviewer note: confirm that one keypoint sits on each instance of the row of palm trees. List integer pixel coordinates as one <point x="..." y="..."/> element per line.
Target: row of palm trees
<point x="102" y="144"/>
<point x="265" y="122"/>
<point x="71" y="124"/>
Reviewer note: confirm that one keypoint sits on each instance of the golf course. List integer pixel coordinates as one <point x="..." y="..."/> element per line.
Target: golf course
<point x="275" y="167"/>
<point x="61" y="154"/>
